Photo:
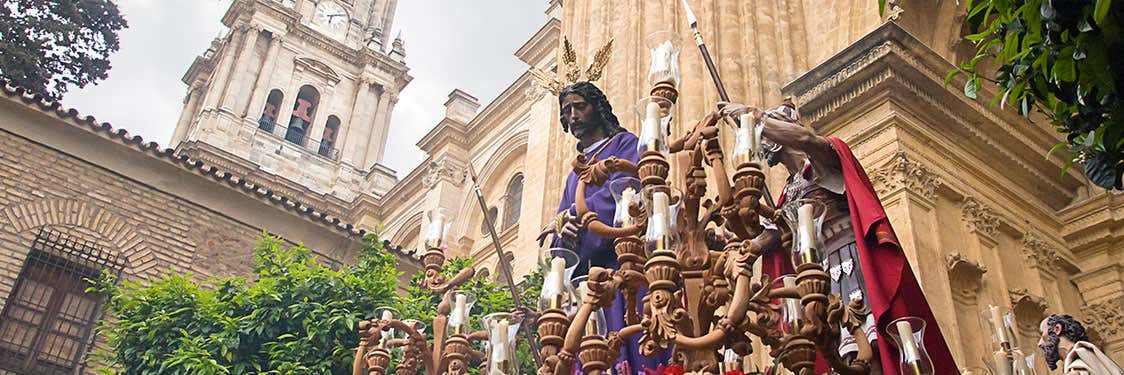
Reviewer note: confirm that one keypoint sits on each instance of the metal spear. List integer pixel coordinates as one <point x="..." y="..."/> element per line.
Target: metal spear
<point x="694" y="22"/>
<point x="516" y="299"/>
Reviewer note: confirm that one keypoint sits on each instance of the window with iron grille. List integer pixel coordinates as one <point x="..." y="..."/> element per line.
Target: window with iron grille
<point x="47" y="322"/>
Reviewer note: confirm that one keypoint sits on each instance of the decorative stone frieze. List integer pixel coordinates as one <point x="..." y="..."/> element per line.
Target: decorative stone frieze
<point x="444" y="170"/>
<point x="979" y="217"/>
<point x="1040" y="254"/>
<point x="1106" y="317"/>
<point x="903" y="173"/>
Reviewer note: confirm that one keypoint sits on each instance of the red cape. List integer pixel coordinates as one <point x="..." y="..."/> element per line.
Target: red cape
<point x="892" y="290"/>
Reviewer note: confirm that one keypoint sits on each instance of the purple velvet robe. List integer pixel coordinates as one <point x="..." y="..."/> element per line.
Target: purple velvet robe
<point x="596" y="251"/>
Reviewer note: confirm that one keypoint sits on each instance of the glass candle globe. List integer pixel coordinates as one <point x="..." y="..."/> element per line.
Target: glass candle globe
<point x="661" y="204"/>
<point x="503" y="330"/>
<point x="908" y="334"/>
<point x="805" y="218"/>
<point x="462" y="309"/>
<point x="559" y="265"/>
<point x="626" y="191"/>
<point x="655" y="119"/>
<point x="596" y="325"/>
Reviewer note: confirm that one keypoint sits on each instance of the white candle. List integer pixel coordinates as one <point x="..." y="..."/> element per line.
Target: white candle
<point x="793" y="304"/>
<point x="743" y="144"/>
<point x="660" y="223"/>
<point x="650" y="127"/>
<point x="502" y="334"/>
<point x="998" y="325"/>
<point x="905" y="331"/>
<point x="558" y="272"/>
<point x="459" y="312"/>
<point x="807" y="233"/>
<point x="754" y="142"/>
<point x="622" y="207"/>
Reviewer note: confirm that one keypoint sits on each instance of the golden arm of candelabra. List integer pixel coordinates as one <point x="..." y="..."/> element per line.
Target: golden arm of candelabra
<point x="602" y="290"/>
<point x="596" y="174"/>
<point x="849" y="317"/>
<point x="436" y="283"/>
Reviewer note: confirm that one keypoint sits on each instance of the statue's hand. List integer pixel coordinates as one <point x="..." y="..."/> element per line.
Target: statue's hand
<point x="526" y="314"/>
<point x="565" y="226"/>
<point x="547" y="230"/>
<point x="733" y="109"/>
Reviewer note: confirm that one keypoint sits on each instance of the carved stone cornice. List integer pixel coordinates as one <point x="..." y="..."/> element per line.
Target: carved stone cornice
<point x="979" y="217"/>
<point x="888" y="64"/>
<point x="1039" y="254"/>
<point x="1106" y="317"/>
<point x="965" y="277"/>
<point x="1029" y="309"/>
<point x="444" y="170"/>
<point x="903" y="173"/>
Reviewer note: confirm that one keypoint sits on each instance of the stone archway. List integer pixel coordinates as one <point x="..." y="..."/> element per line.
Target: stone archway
<point x="83" y="218"/>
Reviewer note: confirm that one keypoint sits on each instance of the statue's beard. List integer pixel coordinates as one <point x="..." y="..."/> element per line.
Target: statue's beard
<point x="772" y="158"/>
<point x="1050" y="349"/>
<point x="580" y="129"/>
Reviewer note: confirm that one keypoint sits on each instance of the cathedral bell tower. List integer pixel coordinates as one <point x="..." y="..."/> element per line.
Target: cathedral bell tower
<point x="297" y="97"/>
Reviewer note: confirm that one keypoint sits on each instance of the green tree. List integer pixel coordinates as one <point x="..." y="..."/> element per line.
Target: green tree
<point x="298" y="317"/>
<point x="1056" y="57"/>
<point x="46" y="46"/>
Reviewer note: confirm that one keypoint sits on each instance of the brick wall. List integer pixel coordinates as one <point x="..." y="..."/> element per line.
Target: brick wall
<point x="154" y="231"/>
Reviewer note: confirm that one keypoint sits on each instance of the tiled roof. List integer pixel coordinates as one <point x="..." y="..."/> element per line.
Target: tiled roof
<point x="154" y="150"/>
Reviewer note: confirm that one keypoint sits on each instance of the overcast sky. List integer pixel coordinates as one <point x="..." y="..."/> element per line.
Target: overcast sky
<point x="466" y="44"/>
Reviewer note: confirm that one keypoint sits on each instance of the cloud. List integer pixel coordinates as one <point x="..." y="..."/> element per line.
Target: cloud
<point x="450" y="44"/>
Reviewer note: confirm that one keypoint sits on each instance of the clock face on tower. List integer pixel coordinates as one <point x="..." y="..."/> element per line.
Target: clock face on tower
<point x="331" y="17"/>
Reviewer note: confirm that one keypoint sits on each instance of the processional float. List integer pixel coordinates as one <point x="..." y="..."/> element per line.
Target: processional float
<point x="693" y="254"/>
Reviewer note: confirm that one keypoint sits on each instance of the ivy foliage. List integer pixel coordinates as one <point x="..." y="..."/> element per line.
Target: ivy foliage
<point x="1060" y="58"/>
<point x="296" y="317"/>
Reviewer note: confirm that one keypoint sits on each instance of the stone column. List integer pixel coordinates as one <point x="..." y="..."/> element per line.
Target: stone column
<point x="261" y="86"/>
<point x="358" y="107"/>
<point x="189" y="110"/>
<point x="379" y="132"/>
<point x="373" y="152"/>
<point x="234" y="85"/>
<point x="219" y="79"/>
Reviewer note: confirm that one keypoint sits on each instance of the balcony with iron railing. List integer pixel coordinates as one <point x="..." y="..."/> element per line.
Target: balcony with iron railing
<point x="296" y="136"/>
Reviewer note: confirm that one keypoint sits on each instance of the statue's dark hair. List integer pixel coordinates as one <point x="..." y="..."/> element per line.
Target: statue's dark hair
<point x="600" y="103"/>
<point x="1071" y="328"/>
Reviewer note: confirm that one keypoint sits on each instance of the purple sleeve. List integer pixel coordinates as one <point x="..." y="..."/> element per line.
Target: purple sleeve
<point x="600" y="199"/>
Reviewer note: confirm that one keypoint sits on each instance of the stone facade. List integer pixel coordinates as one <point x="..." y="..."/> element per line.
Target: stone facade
<point x="982" y="216"/>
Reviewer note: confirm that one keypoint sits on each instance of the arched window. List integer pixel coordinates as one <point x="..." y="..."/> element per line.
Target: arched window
<point x="514" y="197"/>
<point x="493" y="212"/>
<point x="328" y="139"/>
<point x="304" y="110"/>
<point x="269" y="112"/>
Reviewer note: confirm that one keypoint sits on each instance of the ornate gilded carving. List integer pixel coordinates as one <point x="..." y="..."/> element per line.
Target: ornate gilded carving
<point x="443" y="169"/>
<point x="966" y="277"/>
<point x="1040" y="254"/>
<point x="903" y="173"/>
<point x="1106" y="317"/>
<point x="979" y="217"/>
